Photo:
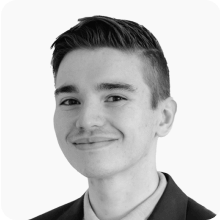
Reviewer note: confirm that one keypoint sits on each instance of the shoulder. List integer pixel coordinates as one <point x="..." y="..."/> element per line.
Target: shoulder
<point x="55" y="213"/>
<point x="196" y="211"/>
<point x="74" y="208"/>
<point x="179" y="205"/>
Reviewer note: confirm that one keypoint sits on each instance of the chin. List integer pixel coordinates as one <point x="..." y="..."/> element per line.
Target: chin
<point x="98" y="172"/>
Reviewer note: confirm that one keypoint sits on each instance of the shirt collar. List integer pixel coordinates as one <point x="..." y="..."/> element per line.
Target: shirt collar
<point x="141" y="212"/>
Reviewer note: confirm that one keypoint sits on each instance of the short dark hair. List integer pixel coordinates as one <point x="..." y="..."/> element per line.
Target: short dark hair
<point x="127" y="36"/>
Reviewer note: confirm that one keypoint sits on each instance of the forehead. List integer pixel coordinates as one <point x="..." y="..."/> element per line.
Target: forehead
<point x="90" y="66"/>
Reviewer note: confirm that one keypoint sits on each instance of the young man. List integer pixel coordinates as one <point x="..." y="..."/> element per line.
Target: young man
<point x="112" y="103"/>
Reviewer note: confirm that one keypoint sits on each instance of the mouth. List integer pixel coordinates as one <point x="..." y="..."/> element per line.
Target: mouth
<point x="92" y="140"/>
<point x="93" y="143"/>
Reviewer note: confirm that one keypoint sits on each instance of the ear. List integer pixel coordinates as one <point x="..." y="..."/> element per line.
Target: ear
<point x="167" y="113"/>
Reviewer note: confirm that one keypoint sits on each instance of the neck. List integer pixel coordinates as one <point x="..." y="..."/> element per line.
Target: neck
<point x="114" y="197"/>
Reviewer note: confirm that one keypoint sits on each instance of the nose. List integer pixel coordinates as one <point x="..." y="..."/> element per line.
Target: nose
<point x="90" y="117"/>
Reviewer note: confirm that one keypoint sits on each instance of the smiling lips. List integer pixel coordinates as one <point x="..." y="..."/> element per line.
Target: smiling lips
<point x="93" y="143"/>
<point x="93" y="140"/>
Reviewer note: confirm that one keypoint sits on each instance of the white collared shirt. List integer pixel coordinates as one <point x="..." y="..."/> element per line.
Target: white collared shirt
<point x="141" y="212"/>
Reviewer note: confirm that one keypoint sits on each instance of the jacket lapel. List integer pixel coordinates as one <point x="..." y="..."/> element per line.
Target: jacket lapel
<point x="172" y="204"/>
<point x="75" y="212"/>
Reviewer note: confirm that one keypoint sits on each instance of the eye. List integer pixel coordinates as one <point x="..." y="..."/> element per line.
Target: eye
<point x="69" y="102"/>
<point x="115" y="98"/>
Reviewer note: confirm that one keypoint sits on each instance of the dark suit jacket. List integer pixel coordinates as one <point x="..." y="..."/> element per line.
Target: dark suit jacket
<point x="173" y="205"/>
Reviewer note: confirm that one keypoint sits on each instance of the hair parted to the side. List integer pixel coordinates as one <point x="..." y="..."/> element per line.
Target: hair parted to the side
<point x="128" y="36"/>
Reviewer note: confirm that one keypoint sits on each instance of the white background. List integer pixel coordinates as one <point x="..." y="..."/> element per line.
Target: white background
<point x="35" y="176"/>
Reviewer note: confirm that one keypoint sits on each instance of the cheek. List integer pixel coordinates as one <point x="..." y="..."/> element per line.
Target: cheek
<point x="57" y="128"/>
<point x="128" y="122"/>
<point x="140" y="127"/>
<point x="61" y="125"/>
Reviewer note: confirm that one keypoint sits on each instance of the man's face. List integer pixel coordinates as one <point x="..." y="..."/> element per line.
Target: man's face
<point x="103" y="118"/>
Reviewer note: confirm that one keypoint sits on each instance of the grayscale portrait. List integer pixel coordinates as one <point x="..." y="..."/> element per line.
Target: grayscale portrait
<point x="123" y="122"/>
<point x="112" y="104"/>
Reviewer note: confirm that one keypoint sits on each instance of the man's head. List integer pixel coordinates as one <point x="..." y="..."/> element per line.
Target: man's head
<point x="127" y="36"/>
<point x="104" y="120"/>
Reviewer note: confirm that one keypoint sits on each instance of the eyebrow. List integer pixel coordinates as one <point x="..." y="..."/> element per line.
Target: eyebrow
<point x="99" y="87"/>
